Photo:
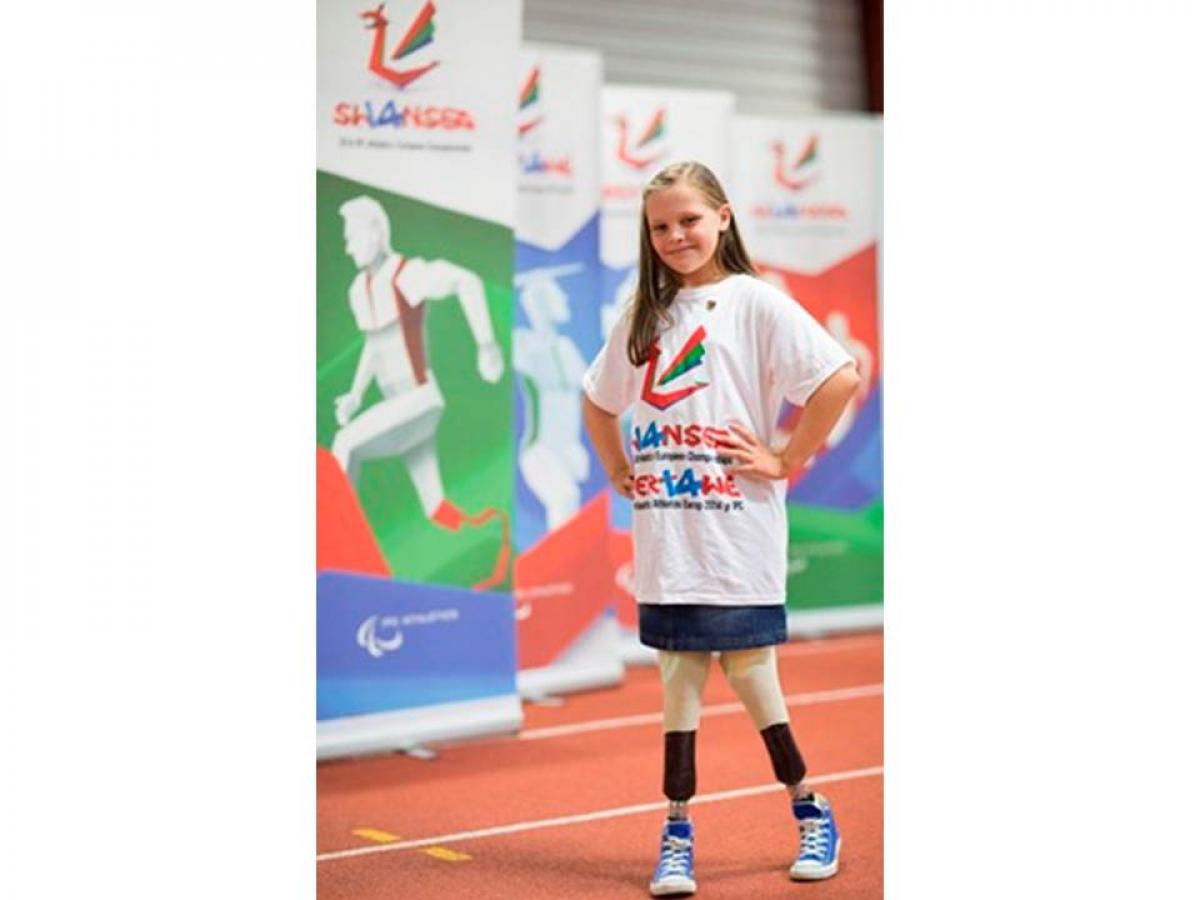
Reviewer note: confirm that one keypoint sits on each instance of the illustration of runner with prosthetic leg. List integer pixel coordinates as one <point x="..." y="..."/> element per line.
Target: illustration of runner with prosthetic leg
<point x="387" y="298"/>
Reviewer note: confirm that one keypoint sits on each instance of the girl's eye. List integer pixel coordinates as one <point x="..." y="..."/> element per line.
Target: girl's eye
<point x="659" y="229"/>
<point x="691" y="220"/>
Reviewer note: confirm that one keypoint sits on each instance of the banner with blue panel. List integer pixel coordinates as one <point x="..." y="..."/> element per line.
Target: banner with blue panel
<point x="566" y="632"/>
<point x="423" y="654"/>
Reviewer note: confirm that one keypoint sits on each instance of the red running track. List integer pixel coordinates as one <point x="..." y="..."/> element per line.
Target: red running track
<point x="419" y="822"/>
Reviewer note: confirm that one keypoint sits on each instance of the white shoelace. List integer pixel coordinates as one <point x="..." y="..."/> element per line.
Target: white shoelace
<point x="675" y="857"/>
<point x="814" y="838"/>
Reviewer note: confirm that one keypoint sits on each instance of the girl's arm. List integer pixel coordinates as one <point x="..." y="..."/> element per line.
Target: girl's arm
<point x="605" y="431"/>
<point x="821" y="413"/>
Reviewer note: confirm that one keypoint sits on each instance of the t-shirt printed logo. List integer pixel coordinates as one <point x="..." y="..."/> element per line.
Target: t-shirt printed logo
<point x="687" y="359"/>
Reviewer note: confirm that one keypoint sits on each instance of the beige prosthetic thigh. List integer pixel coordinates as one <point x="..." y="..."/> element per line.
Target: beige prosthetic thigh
<point x="751" y="673"/>
<point x="683" y="678"/>
<point x="754" y="677"/>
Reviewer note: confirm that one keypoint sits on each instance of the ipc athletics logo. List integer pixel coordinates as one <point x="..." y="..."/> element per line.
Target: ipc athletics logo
<point x="691" y="356"/>
<point x="798" y="174"/>
<point x="380" y="634"/>
<point x="636" y="157"/>
<point x="419" y="34"/>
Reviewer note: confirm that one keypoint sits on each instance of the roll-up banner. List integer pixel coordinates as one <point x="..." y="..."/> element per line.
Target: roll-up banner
<point x="807" y="197"/>
<point x="566" y="628"/>
<point x="644" y="129"/>
<point x="416" y="198"/>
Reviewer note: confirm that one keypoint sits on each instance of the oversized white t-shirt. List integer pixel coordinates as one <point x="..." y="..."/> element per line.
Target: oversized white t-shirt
<point x="735" y="350"/>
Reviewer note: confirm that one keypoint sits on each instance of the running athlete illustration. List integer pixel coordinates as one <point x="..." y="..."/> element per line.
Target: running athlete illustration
<point x="387" y="298"/>
<point x="552" y="458"/>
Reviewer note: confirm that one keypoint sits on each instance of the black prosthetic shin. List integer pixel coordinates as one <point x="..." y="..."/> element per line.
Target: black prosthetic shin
<point x="679" y="766"/>
<point x="785" y="756"/>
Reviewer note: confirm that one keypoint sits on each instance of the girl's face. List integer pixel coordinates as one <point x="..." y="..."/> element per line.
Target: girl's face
<point x="684" y="231"/>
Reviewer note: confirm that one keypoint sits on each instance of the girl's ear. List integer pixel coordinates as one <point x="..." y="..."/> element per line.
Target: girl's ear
<point x="726" y="214"/>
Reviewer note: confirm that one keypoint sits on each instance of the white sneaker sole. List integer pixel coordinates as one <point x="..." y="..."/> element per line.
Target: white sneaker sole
<point x="676" y="884"/>
<point x="817" y="873"/>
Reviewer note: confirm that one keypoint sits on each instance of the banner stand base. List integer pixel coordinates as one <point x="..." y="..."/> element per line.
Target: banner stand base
<point x="542" y="686"/>
<point x="415" y="727"/>
<point x="419" y="751"/>
<point x="539" y="699"/>
<point x="818" y="623"/>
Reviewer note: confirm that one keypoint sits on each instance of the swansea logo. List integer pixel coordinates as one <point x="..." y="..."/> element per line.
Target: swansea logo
<point x="638" y="157"/>
<point x="688" y="358"/>
<point x="419" y="34"/>
<point x="797" y="173"/>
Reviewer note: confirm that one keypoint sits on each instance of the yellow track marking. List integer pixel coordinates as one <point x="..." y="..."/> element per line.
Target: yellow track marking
<point x="446" y="854"/>
<point x="374" y="834"/>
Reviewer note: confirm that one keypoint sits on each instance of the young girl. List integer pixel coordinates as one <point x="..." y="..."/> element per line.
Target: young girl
<point x="709" y="352"/>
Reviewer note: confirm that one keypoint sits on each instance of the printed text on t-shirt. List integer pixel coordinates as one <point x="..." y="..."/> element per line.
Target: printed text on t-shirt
<point x="680" y="489"/>
<point x="654" y="435"/>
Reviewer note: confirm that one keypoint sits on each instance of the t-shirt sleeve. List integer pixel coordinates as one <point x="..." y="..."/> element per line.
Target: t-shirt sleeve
<point x="611" y="380"/>
<point x="801" y="354"/>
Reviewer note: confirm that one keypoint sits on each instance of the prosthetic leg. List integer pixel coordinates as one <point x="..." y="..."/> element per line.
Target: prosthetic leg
<point x="753" y="675"/>
<point x="754" y="678"/>
<point x="683" y="678"/>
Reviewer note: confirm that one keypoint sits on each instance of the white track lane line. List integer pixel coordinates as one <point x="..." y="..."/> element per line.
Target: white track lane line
<point x="719" y="709"/>
<point x="617" y="812"/>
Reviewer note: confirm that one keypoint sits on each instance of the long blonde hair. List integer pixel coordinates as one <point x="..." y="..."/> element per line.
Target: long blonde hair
<point x="657" y="284"/>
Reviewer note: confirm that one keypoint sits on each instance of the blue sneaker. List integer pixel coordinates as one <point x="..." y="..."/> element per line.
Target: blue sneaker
<point x="820" y="842"/>
<point x="674" y="874"/>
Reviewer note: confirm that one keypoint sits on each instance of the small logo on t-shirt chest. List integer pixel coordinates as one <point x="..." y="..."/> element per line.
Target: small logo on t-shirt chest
<point x="691" y="356"/>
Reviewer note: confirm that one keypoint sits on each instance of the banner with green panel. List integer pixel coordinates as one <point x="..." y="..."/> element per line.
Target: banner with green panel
<point x="416" y="202"/>
<point x="466" y="461"/>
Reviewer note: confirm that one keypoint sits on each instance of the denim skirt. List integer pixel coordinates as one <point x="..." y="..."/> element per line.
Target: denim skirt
<point x="693" y="626"/>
